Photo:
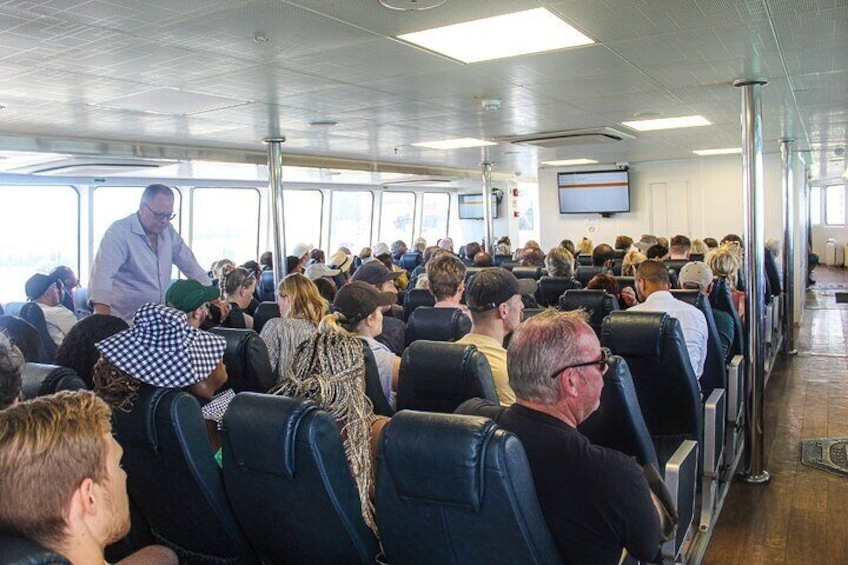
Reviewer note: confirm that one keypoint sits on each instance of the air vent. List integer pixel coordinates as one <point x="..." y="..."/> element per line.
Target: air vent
<point x="91" y="167"/>
<point x="416" y="182"/>
<point x="570" y="137"/>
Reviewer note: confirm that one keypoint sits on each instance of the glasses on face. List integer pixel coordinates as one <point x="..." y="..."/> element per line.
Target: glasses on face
<point x="160" y="215"/>
<point x="601" y="363"/>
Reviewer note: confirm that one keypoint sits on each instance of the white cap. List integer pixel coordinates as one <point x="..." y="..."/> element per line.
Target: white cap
<point x="380" y="249"/>
<point x="341" y="260"/>
<point x="301" y="249"/>
<point x="318" y="270"/>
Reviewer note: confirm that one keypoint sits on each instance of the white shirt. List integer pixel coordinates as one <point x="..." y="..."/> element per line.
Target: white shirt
<point x="59" y="321"/>
<point x="692" y="322"/>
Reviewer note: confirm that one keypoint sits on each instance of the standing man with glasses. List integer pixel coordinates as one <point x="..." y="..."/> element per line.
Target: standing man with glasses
<point x="596" y="501"/>
<point x="133" y="263"/>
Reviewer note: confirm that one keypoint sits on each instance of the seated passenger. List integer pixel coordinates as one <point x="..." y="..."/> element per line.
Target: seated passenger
<point x="11" y="364"/>
<point x="382" y="279"/>
<point x="316" y="271"/>
<point x="568" y="245"/>
<point x="316" y="256"/>
<point x="623" y="243"/>
<point x="560" y="263"/>
<point x="472" y="248"/>
<point x="326" y="288"/>
<point x="630" y="262"/>
<point x="420" y="245"/>
<point x="253" y="267"/>
<point x="595" y="500"/>
<point x="711" y="243"/>
<point x="381" y="252"/>
<point x="358" y="311"/>
<point x="69" y="281"/>
<point x="698" y="276"/>
<point x="237" y="289"/>
<point x="73" y="502"/>
<point x="603" y="256"/>
<point x="699" y="247"/>
<point x="446" y="281"/>
<point x="605" y="281"/>
<point x="266" y="261"/>
<point x="78" y="351"/>
<point x="724" y="263"/>
<point x="503" y="246"/>
<point x="482" y="259"/>
<point x="44" y="291"/>
<point x="646" y="242"/>
<point x="301" y="308"/>
<point x="585" y="246"/>
<point x="657" y="251"/>
<point x="652" y="284"/>
<point x="343" y="261"/>
<point x="532" y="257"/>
<point x="397" y="249"/>
<point x="679" y="248"/>
<point x="191" y="297"/>
<point x="494" y="299"/>
<point x="301" y="251"/>
<point x="446" y="244"/>
<point x="329" y="370"/>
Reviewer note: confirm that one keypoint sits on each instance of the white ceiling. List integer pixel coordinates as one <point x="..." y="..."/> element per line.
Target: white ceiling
<point x="98" y="70"/>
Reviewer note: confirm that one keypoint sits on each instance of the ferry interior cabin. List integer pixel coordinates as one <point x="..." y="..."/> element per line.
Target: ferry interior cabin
<point x="345" y="124"/>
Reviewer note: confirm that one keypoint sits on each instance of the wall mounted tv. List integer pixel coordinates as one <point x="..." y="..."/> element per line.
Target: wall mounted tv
<point x="594" y="192"/>
<point x="471" y="206"/>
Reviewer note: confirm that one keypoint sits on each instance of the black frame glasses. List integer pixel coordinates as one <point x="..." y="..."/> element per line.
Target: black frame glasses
<point x="600" y="363"/>
<point x="160" y="215"/>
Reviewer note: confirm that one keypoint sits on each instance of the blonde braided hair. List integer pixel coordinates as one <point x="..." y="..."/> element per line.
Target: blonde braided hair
<point x="329" y="369"/>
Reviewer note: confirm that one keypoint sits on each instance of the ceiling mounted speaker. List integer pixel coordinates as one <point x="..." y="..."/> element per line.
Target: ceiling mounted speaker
<point x="570" y="137"/>
<point x="412" y="5"/>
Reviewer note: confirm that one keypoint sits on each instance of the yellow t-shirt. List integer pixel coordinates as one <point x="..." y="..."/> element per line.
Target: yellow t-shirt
<point x="496" y="355"/>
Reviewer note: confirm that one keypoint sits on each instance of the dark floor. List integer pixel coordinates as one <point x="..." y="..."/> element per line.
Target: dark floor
<point x="800" y="516"/>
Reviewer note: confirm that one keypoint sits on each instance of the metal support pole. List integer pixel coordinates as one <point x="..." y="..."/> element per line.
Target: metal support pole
<point x="788" y="247"/>
<point x="488" y="221"/>
<point x="275" y="180"/>
<point x="755" y="308"/>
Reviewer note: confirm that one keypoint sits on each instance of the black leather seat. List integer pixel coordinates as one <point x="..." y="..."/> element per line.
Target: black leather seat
<point x="373" y="385"/>
<point x="619" y="253"/>
<point x="438" y="377"/>
<point x="534" y="273"/>
<point x="509" y="265"/>
<point x="246" y="359"/>
<point x="597" y="303"/>
<point x="20" y="551"/>
<point x="457" y="489"/>
<point x="616" y="267"/>
<point x="715" y="371"/>
<point x="551" y="288"/>
<point x="584" y="260"/>
<point x="39" y="380"/>
<point x="410" y="260"/>
<point x="289" y="482"/>
<point x="585" y="274"/>
<point x="174" y="480"/>
<point x="675" y="264"/>
<point x="264" y="312"/>
<point x="416" y="297"/>
<point x="437" y="324"/>
<point x="82" y="308"/>
<point x="498" y="259"/>
<point x="626" y="281"/>
<point x="265" y="289"/>
<point x="32" y="313"/>
<point x="721" y="298"/>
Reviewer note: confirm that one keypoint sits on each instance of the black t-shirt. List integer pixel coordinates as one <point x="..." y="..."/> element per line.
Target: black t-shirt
<point x="595" y="500"/>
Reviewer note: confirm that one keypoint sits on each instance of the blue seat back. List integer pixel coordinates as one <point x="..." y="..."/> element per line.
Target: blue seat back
<point x="246" y="359"/>
<point x="32" y="313"/>
<point x="437" y="324"/>
<point x="721" y="298"/>
<point x="585" y="274"/>
<point x="715" y="370"/>
<point x="410" y="260"/>
<point x="416" y="297"/>
<point x="264" y="312"/>
<point x="457" y="489"/>
<point x="598" y="303"/>
<point x="266" y="290"/>
<point x="288" y="478"/>
<point x="38" y="379"/>
<point x="551" y="288"/>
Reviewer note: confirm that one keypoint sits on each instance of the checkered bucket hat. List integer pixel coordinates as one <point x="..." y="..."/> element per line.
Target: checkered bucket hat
<point x="161" y="349"/>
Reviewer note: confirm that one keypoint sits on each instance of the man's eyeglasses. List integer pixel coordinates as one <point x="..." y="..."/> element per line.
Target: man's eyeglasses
<point x="160" y="215"/>
<point x="600" y="363"/>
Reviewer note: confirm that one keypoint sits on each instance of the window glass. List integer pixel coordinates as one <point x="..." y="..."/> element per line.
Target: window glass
<point x="815" y="205"/>
<point x="434" y="223"/>
<point x="50" y="241"/>
<point x="303" y="216"/>
<point x="225" y="225"/>
<point x="397" y="215"/>
<point x="834" y="205"/>
<point x="350" y="221"/>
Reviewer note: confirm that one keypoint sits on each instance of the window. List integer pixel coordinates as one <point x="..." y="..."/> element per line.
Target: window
<point x="815" y="205"/>
<point x="303" y="216"/>
<point x="225" y="225"/>
<point x="397" y="217"/>
<point x="434" y="223"/>
<point x="50" y="241"/>
<point x="350" y="220"/>
<point x="111" y="203"/>
<point x="834" y="205"/>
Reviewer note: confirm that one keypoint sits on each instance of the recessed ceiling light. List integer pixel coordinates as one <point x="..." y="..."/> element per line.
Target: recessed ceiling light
<point x="499" y="37"/>
<point x="568" y="162"/>
<point x="668" y="123"/>
<point x="454" y="143"/>
<point x="725" y="151"/>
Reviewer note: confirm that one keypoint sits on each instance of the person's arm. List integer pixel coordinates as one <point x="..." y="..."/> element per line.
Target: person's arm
<point x="640" y="515"/>
<point x="186" y="262"/>
<point x="151" y="555"/>
<point x="110" y="256"/>
<point x="270" y="335"/>
<point x="395" y="372"/>
<point x="628" y="296"/>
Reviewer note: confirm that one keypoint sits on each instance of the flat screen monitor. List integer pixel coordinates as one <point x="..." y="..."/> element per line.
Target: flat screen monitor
<point x="595" y="192"/>
<point x="471" y="206"/>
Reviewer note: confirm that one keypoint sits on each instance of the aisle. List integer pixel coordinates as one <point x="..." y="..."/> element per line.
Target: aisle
<point x="800" y="516"/>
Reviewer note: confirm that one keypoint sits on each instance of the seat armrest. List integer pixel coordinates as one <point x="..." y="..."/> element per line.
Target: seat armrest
<point x="680" y="475"/>
<point x="713" y="454"/>
<point x="735" y="388"/>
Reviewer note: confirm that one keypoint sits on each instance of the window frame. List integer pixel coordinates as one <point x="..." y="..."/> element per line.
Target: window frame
<point x="414" y="208"/>
<point x="333" y="192"/>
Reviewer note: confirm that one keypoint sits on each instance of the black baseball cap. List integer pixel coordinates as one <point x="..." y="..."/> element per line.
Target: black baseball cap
<point x="38" y="284"/>
<point x="374" y="272"/>
<point x="490" y="288"/>
<point x="357" y="300"/>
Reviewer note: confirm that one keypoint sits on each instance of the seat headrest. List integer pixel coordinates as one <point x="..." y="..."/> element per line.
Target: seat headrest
<point x="635" y="334"/>
<point x="439" y="367"/>
<point x="138" y="427"/>
<point x="686" y="295"/>
<point x="534" y="273"/>
<point x="38" y="379"/>
<point x="597" y="302"/>
<point x="262" y="427"/>
<point x="453" y="478"/>
<point x="437" y="324"/>
<point x="246" y="359"/>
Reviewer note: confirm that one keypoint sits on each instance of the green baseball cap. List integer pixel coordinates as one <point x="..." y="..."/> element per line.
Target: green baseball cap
<point x="189" y="295"/>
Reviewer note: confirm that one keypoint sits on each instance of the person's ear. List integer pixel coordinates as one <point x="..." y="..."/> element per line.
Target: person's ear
<point x="84" y="497"/>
